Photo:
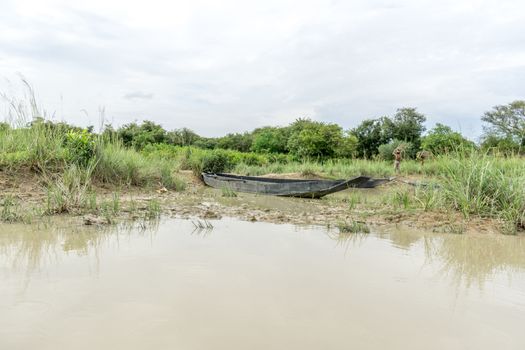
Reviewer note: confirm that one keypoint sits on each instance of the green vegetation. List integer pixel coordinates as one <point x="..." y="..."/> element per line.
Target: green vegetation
<point x="485" y="180"/>
<point x="482" y="185"/>
<point x="353" y="227"/>
<point x="153" y="209"/>
<point x="11" y="210"/>
<point x="71" y="160"/>
<point x="442" y="140"/>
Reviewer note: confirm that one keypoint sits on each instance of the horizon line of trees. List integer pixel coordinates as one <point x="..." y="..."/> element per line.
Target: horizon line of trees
<point x="504" y="131"/>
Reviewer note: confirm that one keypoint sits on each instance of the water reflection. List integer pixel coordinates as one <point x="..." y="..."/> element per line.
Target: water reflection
<point x="468" y="260"/>
<point x="31" y="247"/>
<point x="347" y="240"/>
<point x="475" y="259"/>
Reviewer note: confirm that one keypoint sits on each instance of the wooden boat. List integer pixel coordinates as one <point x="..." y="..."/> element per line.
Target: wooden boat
<point x="372" y="183"/>
<point x="284" y="187"/>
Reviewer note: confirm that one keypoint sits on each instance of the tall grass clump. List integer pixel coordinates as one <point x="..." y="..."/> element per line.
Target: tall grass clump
<point x="69" y="191"/>
<point x="480" y="184"/>
<point x="120" y="165"/>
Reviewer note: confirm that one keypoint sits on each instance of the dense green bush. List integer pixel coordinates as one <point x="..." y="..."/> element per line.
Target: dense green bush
<point x="501" y="145"/>
<point x="141" y="135"/>
<point x="237" y="142"/>
<point x="311" y="139"/>
<point x="370" y="135"/>
<point x="279" y="158"/>
<point x="347" y="147"/>
<point x="80" y="146"/>
<point x="442" y="140"/>
<point x="217" y="162"/>
<point x="271" y="140"/>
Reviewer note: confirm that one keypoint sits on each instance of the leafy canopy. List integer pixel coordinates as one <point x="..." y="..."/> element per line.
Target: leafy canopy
<point x="442" y="139"/>
<point x="507" y="121"/>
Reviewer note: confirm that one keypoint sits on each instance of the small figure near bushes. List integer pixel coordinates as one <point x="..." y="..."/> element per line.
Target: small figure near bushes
<point x="397" y="160"/>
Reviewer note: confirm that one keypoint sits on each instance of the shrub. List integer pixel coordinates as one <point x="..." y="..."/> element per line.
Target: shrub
<point x="311" y="139"/>
<point x="253" y="159"/>
<point x="442" y="140"/>
<point x="216" y="162"/>
<point x="270" y="140"/>
<point x="80" y="146"/>
<point x="169" y="181"/>
<point x="501" y="145"/>
<point x="279" y="158"/>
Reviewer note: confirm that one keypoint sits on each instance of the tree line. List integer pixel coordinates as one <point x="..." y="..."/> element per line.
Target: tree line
<point x="504" y="131"/>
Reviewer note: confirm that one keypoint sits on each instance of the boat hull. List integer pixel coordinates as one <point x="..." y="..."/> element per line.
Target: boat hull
<point x="283" y="187"/>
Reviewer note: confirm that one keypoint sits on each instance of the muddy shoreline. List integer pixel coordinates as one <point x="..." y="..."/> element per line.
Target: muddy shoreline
<point x="204" y="203"/>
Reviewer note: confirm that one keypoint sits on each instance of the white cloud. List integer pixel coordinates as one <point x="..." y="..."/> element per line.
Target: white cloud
<point x="222" y="66"/>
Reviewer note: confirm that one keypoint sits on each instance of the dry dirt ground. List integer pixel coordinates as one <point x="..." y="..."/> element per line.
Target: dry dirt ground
<point x="199" y="201"/>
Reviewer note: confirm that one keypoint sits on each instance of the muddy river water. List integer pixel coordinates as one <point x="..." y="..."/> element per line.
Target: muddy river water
<point x="245" y="285"/>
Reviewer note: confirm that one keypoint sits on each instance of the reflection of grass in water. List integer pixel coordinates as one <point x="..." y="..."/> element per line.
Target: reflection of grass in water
<point x="475" y="259"/>
<point x="347" y="239"/>
<point x="28" y="247"/>
<point x="349" y="233"/>
<point x="402" y="239"/>
<point x="202" y="227"/>
<point x="468" y="260"/>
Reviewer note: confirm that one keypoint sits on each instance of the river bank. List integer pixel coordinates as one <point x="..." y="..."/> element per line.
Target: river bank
<point x="392" y="205"/>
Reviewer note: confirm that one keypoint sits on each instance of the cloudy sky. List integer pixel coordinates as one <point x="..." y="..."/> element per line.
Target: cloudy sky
<point x="228" y="66"/>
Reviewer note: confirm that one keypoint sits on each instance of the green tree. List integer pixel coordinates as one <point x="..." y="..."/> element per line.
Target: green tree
<point x="314" y="139"/>
<point x="270" y="140"/>
<point x="406" y="125"/>
<point x="237" y="141"/>
<point x="206" y="143"/>
<point x="506" y="121"/>
<point x="139" y="136"/>
<point x="182" y="137"/>
<point x="442" y="139"/>
<point x="370" y="135"/>
<point x="347" y="147"/>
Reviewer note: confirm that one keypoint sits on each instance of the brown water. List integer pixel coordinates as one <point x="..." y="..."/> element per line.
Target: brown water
<point x="258" y="286"/>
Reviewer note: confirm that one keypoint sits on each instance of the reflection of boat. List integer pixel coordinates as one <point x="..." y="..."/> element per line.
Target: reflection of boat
<point x="287" y="187"/>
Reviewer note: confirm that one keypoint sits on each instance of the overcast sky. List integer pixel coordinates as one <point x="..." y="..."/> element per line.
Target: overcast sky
<point x="228" y="66"/>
